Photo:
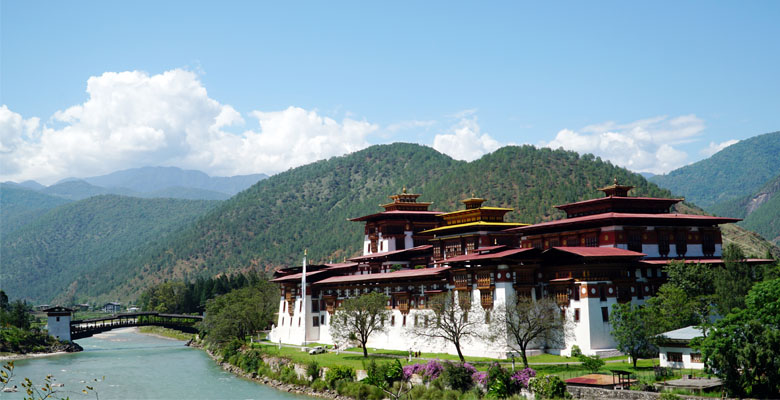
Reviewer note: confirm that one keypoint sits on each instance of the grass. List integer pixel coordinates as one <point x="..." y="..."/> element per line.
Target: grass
<point x="170" y="333"/>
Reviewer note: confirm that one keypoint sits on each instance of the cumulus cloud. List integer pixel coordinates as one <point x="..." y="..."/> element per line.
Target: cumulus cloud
<point x="464" y="140"/>
<point x="716" y="147"/>
<point x="134" y="119"/>
<point x="646" y="145"/>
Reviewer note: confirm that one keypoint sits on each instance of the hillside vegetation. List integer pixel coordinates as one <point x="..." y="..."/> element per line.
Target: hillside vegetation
<point x="731" y="173"/>
<point x="270" y="224"/>
<point x="19" y="206"/>
<point x="80" y="238"/>
<point x="760" y="210"/>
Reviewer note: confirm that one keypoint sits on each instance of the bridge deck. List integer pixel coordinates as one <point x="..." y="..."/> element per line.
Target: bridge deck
<point x="80" y="329"/>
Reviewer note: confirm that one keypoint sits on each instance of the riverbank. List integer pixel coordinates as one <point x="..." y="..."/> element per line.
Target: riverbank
<point x="13" y="357"/>
<point x="165" y="333"/>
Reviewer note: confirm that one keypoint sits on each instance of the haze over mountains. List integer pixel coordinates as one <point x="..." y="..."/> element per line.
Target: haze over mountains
<point x="149" y="182"/>
<point x="740" y="181"/>
<point x="269" y="224"/>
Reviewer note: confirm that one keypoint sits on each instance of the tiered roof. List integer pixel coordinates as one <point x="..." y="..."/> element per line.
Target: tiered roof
<point x="474" y="217"/>
<point x="403" y="206"/>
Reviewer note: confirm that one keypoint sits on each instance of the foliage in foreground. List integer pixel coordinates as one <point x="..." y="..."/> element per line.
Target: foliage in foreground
<point x="240" y="313"/>
<point x="742" y="347"/>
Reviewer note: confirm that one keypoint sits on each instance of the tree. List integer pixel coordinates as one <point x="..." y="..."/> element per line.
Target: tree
<point x="672" y="308"/>
<point x="3" y="301"/>
<point x="240" y="313"/>
<point x="733" y="281"/>
<point x="527" y="321"/>
<point x="631" y="330"/>
<point x="360" y="317"/>
<point x="742" y="348"/>
<point x="449" y="320"/>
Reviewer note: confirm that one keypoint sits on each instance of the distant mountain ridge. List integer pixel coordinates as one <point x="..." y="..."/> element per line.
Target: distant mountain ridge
<point x="739" y="181"/>
<point x="149" y="182"/>
<point x="731" y="173"/>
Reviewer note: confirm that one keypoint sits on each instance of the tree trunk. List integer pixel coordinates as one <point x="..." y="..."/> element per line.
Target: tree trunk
<point x="460" y="355"/>
<point x="365" y="351"/>
<point x="525" y="359"/>
<point x="634" y="360"/>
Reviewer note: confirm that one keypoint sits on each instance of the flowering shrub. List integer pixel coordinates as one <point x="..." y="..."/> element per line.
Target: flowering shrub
<point x="429" y="371"/>
<point x="480" y="377"/>
<point x="520" y="378"/>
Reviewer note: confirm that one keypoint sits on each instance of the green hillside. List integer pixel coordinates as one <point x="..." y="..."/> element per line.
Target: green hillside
<point x="760" y="210"/>
<point x="270" y="224"/>
<point x="41" y="259"/>
<point x="20" y="206"/>
<point x="741" y="168"/>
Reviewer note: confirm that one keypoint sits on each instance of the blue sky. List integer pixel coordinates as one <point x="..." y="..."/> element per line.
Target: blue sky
<point x="245" y="87"/>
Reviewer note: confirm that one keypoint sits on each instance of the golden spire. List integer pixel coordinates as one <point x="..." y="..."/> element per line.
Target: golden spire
<point x="305" y="252"/>
<point x="404" y="189"/>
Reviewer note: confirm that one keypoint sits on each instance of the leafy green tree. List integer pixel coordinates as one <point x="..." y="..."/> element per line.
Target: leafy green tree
<point x="632" y="331"/>
<point x="240" y="313"/>
<point x="672" y="308"/>
<point x="528" y="321"/>
<point x="742" y="348"/>
<point x="449" y="320"/>
<point x="592" y="363"/>
<point x="360" y="317"/>
<point x="733" y="281"/>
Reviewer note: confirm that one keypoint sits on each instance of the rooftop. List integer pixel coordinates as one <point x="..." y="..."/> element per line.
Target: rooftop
<point x="595" y="251"/>
<point x="402" y="274"/>
<point x="621" y="217"/>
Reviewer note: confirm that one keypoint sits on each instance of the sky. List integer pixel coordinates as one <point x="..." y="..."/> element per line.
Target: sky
<point x="229" y="88"/>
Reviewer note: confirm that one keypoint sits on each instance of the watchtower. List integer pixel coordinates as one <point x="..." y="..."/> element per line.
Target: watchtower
<point x="59" y="322"/>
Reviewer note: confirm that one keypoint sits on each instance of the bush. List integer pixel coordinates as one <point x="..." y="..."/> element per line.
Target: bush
<point x="287" y="374"/>
<point x="591" y="363"/>
<point x="521" y="378"/>
<point x="549" y="387"/>
<point x="668" y="396"/>
<point x="231" y="349"/>
<point x="250" y="361"/>
<point x="359" y="390"/>
<point x="383" y="375"/>
<point x="575" y="351"/>
<point x="337" y="374"/>
<point x="313" y="370"/>
<point x="498" y="383"/>
<point x="458" y="376"/>
<point x="319" y="385"/>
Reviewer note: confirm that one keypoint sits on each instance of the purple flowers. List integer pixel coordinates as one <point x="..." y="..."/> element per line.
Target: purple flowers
<point x="521" y="378"/>
<point x="429" y="371"/>
<point x="480" y="377"/>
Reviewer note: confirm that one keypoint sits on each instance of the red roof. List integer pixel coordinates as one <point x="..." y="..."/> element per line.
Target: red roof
<point x="489" y="256"/>
<point x="392" y="253"/>
<point x="621" y="199"/>
<point x="706" y="261"/>
<point x="403" y="274"/>
<point x="597" y="251"/>
<point x="296" y="277"/>
<point x="395" y="213"/>
<point x="613" y="216"/>
<point x="331" y="267"/>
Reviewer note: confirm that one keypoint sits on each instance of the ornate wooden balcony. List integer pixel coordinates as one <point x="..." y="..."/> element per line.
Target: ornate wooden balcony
<point x="486" y="298"/>
<point x="483" y="281"/>
<point x="461" y="282"/>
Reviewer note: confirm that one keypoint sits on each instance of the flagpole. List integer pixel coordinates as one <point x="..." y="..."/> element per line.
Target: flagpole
<point x="303" y="295"/>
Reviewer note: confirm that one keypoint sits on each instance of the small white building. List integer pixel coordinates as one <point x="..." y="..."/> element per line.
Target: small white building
<point x="112" y="307"/>
<point x="59" y="322"/>
<point x="676" y="351"/>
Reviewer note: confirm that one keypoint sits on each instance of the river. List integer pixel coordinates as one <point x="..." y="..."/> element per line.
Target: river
<point x="138" y="366"/>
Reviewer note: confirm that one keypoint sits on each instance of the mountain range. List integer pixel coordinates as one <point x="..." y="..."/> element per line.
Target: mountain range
<point x="739" y="181"/>
<point x="270" y="224"/>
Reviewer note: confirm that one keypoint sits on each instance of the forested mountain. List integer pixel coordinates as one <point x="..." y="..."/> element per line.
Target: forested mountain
<point x="77" y="189"/>
<point x="153" y="179"/>
<point x="20" y="206"/>
<point x="760" y="210"/>
<point x="731" y="173"/>
<point x="41" y="259"/>
<point x="270" y="224"/>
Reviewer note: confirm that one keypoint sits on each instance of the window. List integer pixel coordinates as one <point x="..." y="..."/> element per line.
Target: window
<point x="663" y="243"/>
<point x="571" y="241"/>
<point x="592" y="241"/>
<point x="284" y="306"/>
<point x="315" y="321"/>
<point x="392" y="320"/>
<point x="576" y="315"/>
<point x="403" y="321"/>
<point x="708" y="243"/>
<point x="322" y="319"/>
<point x="299" y="321"/>
<point x="300" y="305"/>
<point x="634" y="240"/>
<point x="576" y="293"/>
<point x="681" y="242"/>
<point x="436" y="251"/>
<point x="416" y="320"/>
<point x="282" y="321"/>
<point x="315" y="305"/>
<point x="471" y="244"/>
<point x="696" y="358"/>
<point x="603" y="293"/>
<point x="537" y="244"/>
<point x="555" y="242"/>
<point x="605" y="314"/>
<point x="639" y="293"/>
<point x="58" y="319"/>
<point x="674" y="356"/>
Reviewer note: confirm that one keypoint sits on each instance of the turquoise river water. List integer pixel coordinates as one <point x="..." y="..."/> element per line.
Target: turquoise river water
<point x="138" y="366"/>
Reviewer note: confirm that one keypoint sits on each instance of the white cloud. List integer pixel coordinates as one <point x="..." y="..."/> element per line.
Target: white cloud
<point x="716" y="147"/>
<point x="644" y="146"/>
<point x="465" y="142"/>
<point x="133" y="119"/>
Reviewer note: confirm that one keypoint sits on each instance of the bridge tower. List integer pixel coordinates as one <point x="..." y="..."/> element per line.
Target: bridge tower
<point x="59" y="322"/>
